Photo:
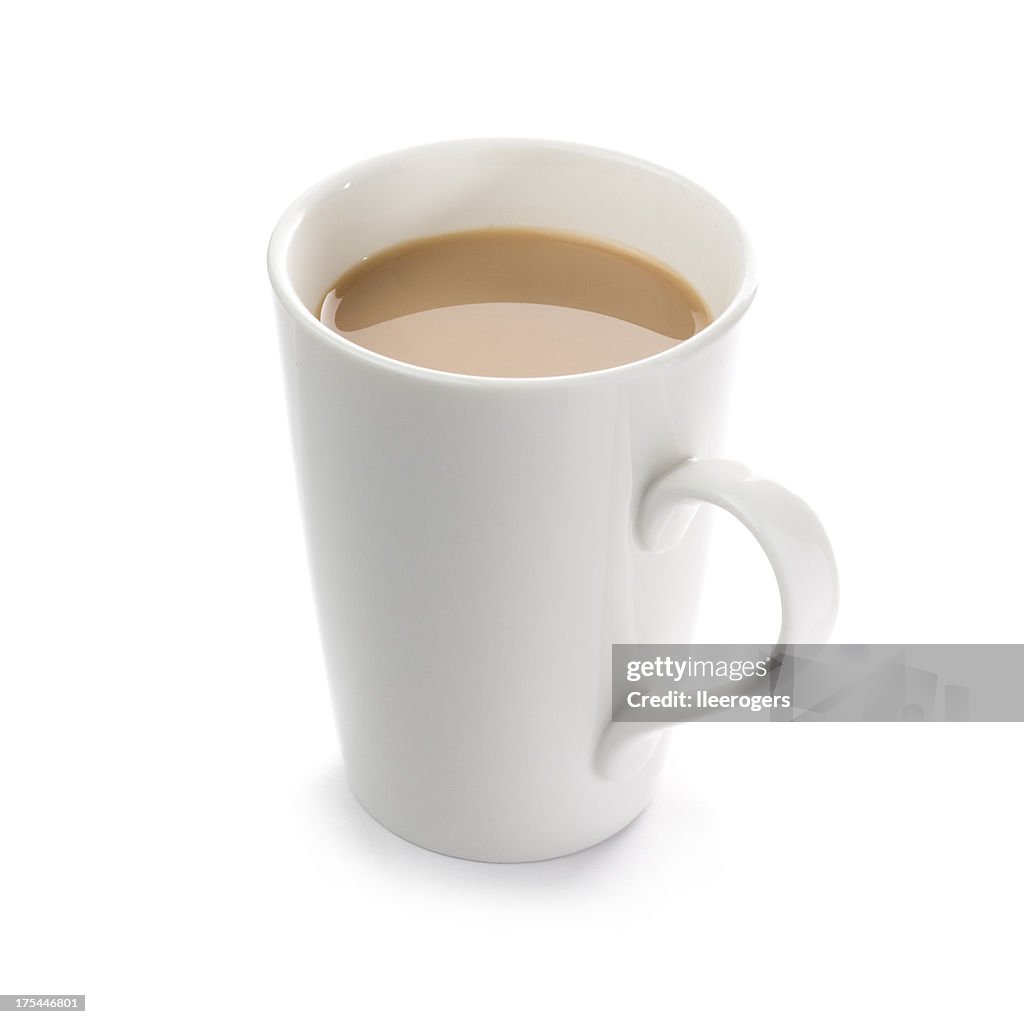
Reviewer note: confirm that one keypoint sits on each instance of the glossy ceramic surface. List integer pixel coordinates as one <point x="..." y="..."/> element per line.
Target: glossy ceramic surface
<point x="477" y="544"/>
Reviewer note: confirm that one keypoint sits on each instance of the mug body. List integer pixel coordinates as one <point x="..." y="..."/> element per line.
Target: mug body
<point x="471" y="539"/>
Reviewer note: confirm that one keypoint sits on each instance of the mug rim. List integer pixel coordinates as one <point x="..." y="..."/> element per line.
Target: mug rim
<point x="284" y="231"/>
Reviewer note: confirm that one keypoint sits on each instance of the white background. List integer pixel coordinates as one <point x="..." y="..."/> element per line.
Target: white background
<point x="174" y="822"/>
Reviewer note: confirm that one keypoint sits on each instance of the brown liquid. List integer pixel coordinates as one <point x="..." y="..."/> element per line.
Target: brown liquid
<point x="513" y="302"/>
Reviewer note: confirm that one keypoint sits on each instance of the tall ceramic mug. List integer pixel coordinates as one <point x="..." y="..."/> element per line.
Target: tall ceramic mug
<point x="478" y="544"/>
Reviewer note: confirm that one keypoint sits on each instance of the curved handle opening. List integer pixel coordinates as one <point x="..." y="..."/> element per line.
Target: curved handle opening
<point x="788" y="531"/>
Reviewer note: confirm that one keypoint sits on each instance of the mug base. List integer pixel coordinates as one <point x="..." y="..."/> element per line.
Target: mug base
<point x="524" y="853"/>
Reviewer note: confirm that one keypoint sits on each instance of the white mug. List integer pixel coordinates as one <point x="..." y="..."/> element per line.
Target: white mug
<point x="478" y="544"/>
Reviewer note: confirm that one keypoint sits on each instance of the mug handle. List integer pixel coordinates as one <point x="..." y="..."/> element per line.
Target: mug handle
<point x="790" y="534"/>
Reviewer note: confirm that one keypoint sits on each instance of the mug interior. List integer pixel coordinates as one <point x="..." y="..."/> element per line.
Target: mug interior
<point x="457" y="186"/>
